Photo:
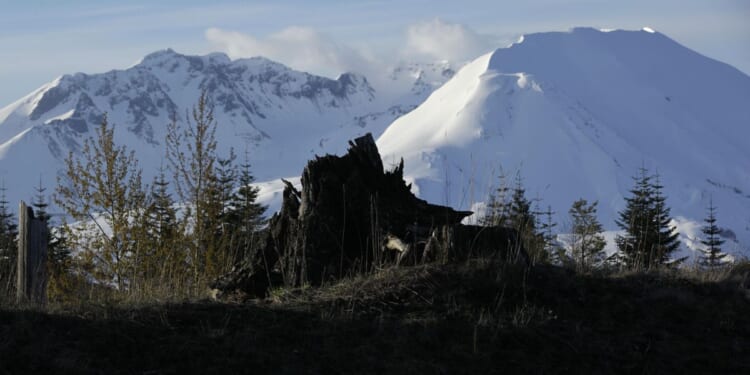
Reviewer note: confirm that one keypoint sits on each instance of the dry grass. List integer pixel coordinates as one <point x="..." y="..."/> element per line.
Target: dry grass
<point x="477" y="317"/>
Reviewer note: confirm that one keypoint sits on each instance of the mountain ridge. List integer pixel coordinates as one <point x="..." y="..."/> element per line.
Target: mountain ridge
<point x="280" y="116"/>
<point x="550" y="101"/>
<point x="577" y="113"/>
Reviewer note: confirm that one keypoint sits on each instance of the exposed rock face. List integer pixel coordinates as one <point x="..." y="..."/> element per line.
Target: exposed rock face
<point x="348" y="210"/>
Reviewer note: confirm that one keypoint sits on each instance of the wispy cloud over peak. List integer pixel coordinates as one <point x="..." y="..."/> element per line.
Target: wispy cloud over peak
<point x="300" y="48"/>
<point x="441" y="40"/>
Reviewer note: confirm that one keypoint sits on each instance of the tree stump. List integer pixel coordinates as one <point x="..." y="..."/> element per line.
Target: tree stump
<point x="31" y="282"/>
<point x="337" y="225"/>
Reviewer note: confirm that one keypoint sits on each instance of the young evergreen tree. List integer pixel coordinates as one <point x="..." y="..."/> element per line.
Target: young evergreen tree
<point x="58" y="252"/>
<point x="59" y="263"/>
<point x="498" y="207"/>
<point x="56" y="247"/>
<point x="520" y="215"/>
<point x="551" y="246"/>
<point x="59" y="260"/>
<point x="712" y="254"/>
<point x="586" y="240"/>
<point x="245" y="214"/>
<point x="8" y="226"/>
<point x="222" y="253"/>
<point x="39" y="202"/>
<point x="635" y="222"/>
<point x="547" y="226"/>
<point x="104" y="184"/>
<point x="8" y="245"/>
<point x="523" y="219"/>
<point x="666" y="240"/>
<point x="226" y="178"/>
<point x="167" y="261"/>
<point x="649" y="238"/>
<point x="162" y="215"/>
<point x="41" y="205"/>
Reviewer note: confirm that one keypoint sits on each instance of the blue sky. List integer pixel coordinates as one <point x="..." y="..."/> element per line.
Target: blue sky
<point x="40" y="40"/>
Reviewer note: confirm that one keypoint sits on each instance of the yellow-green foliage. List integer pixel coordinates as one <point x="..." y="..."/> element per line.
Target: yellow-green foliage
<point x="131" y="240"/>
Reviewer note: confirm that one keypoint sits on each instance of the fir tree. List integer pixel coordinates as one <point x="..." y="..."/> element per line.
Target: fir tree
<point x="226" y="178"/>
<point x="59" y="263"/>
<point x="520" y="215"/>
<point x="523" y="219"/>
<point x="8" y="225"/>
<point x="635" y="222"/>
<point x="40" y="202"/>
<point x="57" y="247"/>
<point x="161" y="213"/>
<point x="649" y="239"/>
<point x="712" y="254"/>
<point x="245" y="213"/>
<point x="497" y="206"/>
<point x="551" y="247"/>
<point x="58" y="251"/>
<point x="586" y="240"/>
<point x="223" y="250"/>
<point x="667" y="238"/>
<point x="163" y="232"/>
<point x="547" y="226"/>
<point x="8" y="245"/>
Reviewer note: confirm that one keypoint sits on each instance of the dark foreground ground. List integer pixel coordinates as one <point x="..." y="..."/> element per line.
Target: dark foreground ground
<point x="475" y="318"/>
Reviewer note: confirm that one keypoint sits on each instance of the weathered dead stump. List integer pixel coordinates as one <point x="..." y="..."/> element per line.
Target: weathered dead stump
<point x="348" y="212"/>
<point x="31" y="271"/>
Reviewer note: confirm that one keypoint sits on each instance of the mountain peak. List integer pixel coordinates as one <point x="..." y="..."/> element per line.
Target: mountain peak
<point x="160" y="55"/>
<point x="166" y="56"/>
<point x="577" y="113"/>
<point x="587" y="35"/>
<point x="262" y="63"/>
<point x="593" y="30"/>
<point x="643" y="55"/>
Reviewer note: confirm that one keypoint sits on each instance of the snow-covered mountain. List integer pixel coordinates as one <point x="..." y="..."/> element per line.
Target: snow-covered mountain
<point x="281" y="117"/>
<point x="577" y="113"/>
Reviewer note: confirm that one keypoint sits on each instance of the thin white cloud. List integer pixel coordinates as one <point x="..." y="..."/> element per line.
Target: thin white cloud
<point x="300" y="48"/>
<point x="441" y="40"/>
<point x="309" y="50"/>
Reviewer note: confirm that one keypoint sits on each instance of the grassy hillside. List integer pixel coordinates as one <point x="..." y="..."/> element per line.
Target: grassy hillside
<point x="477" y="317"/>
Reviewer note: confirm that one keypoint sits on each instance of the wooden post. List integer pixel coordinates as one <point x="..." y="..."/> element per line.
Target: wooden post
<point x="31" y="283"/>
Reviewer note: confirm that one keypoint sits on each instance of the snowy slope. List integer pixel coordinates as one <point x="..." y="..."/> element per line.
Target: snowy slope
<point x="577" y="113"/>
<point x="281" y="117"/>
